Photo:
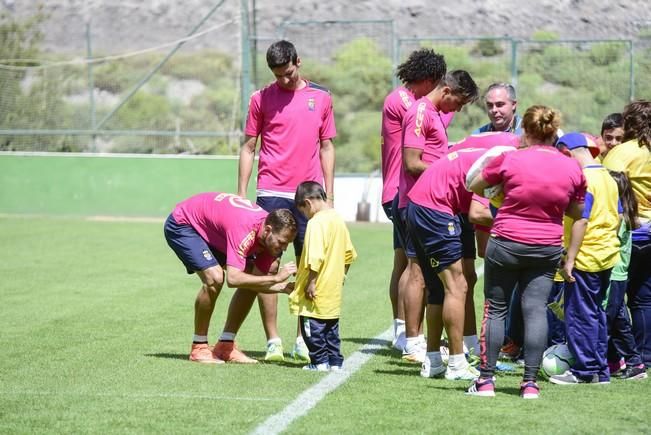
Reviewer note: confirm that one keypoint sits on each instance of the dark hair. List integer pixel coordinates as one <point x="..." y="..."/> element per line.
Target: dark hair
<point x="626" y="198"/>
<point x="510" y="90"/>
<point x="422" y="64"/>
<point x="614" y="120"/>
<point x="541" y="123"/>
<point x="637" y="122"/>
<point x="308" y="190"/>
<point x="281" y="53"/>
<point x="281" y="219"/>
<point x="460" y="83"/>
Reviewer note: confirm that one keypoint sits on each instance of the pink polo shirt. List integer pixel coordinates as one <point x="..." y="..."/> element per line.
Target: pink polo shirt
<point x="539" y="183"/>
<point x="422" y="128"/>
<point x="291" y="125"/>
<point x="442" y="187"/>
<point x="487" y="141"/>
<point x="229" y="224"/>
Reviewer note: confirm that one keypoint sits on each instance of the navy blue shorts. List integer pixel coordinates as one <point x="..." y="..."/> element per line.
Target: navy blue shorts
<point x="192" y="250"/>
<point x="271" y="203"/>
<point x="437" y="237"/>
<point x="388" y="210"/>
<point x="400" y="222"/>
<point x="468" y="244"/>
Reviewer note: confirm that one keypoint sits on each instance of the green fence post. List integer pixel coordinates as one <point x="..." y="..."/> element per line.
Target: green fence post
<point x="631" y="55"/>
<point x="514" y="63"/>
<point x="246" y="61"/>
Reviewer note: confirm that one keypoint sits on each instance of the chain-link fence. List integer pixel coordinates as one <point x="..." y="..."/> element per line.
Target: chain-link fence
<point x="189" y="93"/>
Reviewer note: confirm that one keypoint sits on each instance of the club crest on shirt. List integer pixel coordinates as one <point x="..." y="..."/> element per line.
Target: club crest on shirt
<point x="311" y="104"/>
<point x="451" y="228"/>
<point x="207" y="255"/>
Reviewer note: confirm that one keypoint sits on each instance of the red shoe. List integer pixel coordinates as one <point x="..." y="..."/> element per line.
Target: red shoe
<point x="510" y="351"/>
<point x="202" y="353"/>
<point x="228" y="351"/>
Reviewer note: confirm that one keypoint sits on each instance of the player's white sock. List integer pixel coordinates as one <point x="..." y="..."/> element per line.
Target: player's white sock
<point x="227" y="336"/>
<point x="435" y="358"/>
<point x="275" y="340"/>
<point x="457" y="362"/>
<point x="421" y="337"/>
<point x="299" y="340"/>
<point x="200" y="338"/>
<point x="472" y="342"/>
<point x="412" y="344"/>
<point x="398" y="327"/>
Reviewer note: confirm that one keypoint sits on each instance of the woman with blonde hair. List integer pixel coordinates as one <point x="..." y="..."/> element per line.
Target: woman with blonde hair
<point x="540" y="185"/>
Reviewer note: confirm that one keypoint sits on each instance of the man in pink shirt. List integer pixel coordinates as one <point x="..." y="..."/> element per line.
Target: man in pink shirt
<point x="424" y="141"/>
<point x="295" y="122"/>
<point x="420" y="73"/>
<point x="213" y="233"/>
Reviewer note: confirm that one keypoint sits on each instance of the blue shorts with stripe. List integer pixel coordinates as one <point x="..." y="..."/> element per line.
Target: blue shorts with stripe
<point x="389" y="211"/>
<point x="437" y="239"/>
<point x="190" y="247"/>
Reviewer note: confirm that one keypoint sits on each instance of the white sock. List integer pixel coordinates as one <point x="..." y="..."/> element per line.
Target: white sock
<point x="435" y="358"/>
<point x="421" y="337"/>
<point x="227" y="336"/>
<point x="472" y="342"/>
<point x="299" y="340"/>
<point x="398" y="327"/>
<point x="457" y="362"/>
<point x="412" y="344"/>
<point x="275" y="340"/>
<point x="200" y="338"/>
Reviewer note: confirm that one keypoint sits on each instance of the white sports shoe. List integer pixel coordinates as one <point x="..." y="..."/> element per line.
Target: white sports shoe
<point x="432" y="369"/>
<point x="467" y="373"/>
<point x="416" y="354"/>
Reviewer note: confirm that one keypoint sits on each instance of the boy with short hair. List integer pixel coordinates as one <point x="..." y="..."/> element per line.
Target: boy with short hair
<point x="316" y="299"/>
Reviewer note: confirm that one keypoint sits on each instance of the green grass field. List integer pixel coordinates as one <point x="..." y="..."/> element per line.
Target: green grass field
<point x="96" y="325"/>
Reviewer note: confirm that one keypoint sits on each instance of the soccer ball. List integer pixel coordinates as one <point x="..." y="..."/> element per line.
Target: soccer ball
<point x="556" y="360"/>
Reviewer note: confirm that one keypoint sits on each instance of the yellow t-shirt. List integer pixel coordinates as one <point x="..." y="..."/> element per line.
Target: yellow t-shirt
<point x="600" y="248"/>
<point x="635" y="161"/>
<point x="327" y="250"/>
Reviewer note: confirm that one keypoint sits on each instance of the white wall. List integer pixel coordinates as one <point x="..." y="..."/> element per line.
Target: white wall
<point x="352" y="189"/>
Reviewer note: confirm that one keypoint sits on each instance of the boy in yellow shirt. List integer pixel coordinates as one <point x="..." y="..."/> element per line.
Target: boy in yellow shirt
<point x="316" y="299"/>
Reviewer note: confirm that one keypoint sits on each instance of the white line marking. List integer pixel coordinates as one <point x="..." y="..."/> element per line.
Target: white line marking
<point x="137" y="395"/>
<point x="313" y="395"/>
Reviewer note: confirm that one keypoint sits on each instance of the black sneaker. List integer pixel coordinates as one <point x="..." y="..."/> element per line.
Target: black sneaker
<point x="634" y="372"/>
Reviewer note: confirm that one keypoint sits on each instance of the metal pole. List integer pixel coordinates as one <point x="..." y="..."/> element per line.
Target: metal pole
<point x="395" y="59"/>
<point x="254" y="44"/>
<point x="514" y="63"/>
<point x="631" y="55"/>
<point x="246" y="65"/>
<point x="157" y="67"/>
<point x="91" y="85"/>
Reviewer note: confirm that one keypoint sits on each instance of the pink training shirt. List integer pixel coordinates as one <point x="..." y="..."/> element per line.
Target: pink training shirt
<point x="539" y="183"/>
<point x="291" y="125"/>
<point x="393" y="111"/>
<point x="442" y="187"/>
<point x="487" y="141"/>
<point x="422" y="128"/>
<point x="229" y="224"/>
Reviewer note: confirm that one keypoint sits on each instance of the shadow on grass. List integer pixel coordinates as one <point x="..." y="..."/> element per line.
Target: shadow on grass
<point x="406" y="371"/>
<point x="183" y="356"/>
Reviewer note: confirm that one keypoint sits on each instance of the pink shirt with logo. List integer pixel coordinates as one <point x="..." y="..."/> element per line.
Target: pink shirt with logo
<point x="229" y="224"/>
<point x="393" y="112"/>
<point x="442" y="187"/>
<point x="422" y="128"/>
<point x="539" y="183"/>
<point x="291" y="125"/>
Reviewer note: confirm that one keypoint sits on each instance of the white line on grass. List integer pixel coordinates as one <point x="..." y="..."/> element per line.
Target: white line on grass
<point x="313" y="395"/>
<point x="137" y="395"/>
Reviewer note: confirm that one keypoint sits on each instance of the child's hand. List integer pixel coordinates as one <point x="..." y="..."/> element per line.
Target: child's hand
<point x="310" y="291"/>
<point x="566" y="271"/>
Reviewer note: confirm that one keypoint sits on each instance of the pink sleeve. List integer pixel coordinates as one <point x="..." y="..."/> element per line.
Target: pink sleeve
<point x="480" y="199"/>
<point x="413" y="136"/>
<point x="328" y="130"/>
<point x="580" y="188"/>
<point x="254" y="119"/>
<point x="238" y="245"/>
<point x="492" y="173"/>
